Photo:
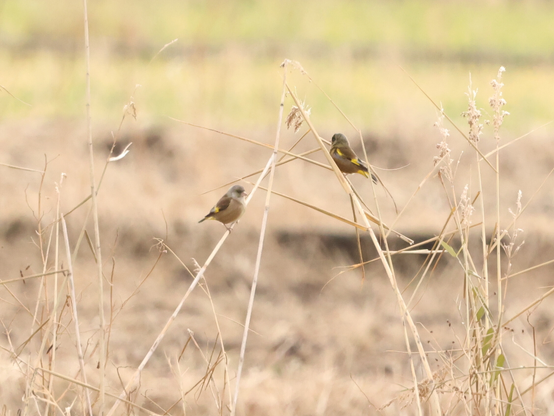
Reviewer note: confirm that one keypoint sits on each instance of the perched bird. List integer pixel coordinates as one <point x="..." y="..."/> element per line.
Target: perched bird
<point x="346" y="159"/>
<point x="230" y="207"/>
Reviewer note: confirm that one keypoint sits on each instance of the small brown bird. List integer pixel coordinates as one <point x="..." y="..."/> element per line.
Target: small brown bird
<point x="346" y="159"/>
<point x="230" y="207"/>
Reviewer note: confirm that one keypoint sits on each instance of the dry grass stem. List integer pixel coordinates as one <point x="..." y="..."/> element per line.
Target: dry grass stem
<point x="492" y="152"/>
<point x="78" y="344"/>
<point x="32" y="276"/>
<point x="281" y="161"/>
<point x="315" y="208"/>
<point x="434" y="400"/>
<point x="272" y="161"/>
<point x="268" y="146"/>
<point x="98" y="248"/>
<point x="21" y="168"/>
<point x="226" y="185"/>
<point x="13" y="96"/>
<point x="134" y="380"/>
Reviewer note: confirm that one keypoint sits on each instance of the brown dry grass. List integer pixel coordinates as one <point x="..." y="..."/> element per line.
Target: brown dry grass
<point x="464" y="330"/>
<point x="315" y="348"/>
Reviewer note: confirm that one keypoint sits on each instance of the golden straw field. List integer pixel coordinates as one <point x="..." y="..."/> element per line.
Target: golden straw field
<point x="116" y="301"/>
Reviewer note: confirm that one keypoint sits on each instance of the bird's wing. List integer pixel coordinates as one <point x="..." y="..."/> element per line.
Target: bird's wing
<point x="222" y="204"/>
<point x="350" y="155"/>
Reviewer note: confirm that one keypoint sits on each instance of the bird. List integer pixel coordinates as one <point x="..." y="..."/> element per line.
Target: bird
<point x="346" y="159"/>
<point x="229" y="208"/>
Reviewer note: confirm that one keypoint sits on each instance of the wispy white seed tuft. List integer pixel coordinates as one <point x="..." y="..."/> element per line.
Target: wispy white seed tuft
<point x="473" y="115"/>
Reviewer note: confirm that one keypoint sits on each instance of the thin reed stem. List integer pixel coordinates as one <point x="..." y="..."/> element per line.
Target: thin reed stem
<point x="98" y="248"/>
<point x="272" y="161"/>
<point x="75" y="315"/>
<point x="134" y="379"/>
<point x="434" y="400"/>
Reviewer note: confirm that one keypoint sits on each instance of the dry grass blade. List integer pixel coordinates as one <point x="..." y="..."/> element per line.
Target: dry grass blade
<point x="21" y="168"/>
<point x="208" y="378"/>
<point x="492" y="152"/>
<point x="340" y="218"/>
<point x="528" y="307"/>
<point x="323" y="211"/>
<point x="167" y="45"/>
<point x="26" y="342"/>
<point x="33" y="276"/>
<point x="406" y="250"/>
<point x="535" y="384"/>
<point x="375" y="220"/>
<point x="13" y="96"/>
<point x="279" y="163"/>
<point x="282" y="162"/>
<point x="268" y="146"/>
<point x="546" y="263"/>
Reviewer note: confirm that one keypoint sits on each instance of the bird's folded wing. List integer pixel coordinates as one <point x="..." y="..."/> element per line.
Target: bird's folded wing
<point x="222" y="204"/>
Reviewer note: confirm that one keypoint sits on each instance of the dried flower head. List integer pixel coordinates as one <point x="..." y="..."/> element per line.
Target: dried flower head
<point x="424" y="389"/>
<point x="465" y="208"/>
<point x="444" y="150"/>
<point x="294" y="64"/>
<point x="295" y="118"/>
<point x="473" y="115"/>
<point x="512" y="247"/>
<point x="497" y="101"/>
<point x="519" y="209"/>
<point x="130" y="109"/>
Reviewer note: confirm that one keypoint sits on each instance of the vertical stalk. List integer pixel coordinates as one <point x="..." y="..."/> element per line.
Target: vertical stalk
<point x="498" y="277"/>
<point x="80" y="354"/>
<point x="260" y="244"/>
<point x="97" y="247"/>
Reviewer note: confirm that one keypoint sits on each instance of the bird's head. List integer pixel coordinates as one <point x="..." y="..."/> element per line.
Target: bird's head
<point x="339" y="139"/>
<point x="237" y="191"/>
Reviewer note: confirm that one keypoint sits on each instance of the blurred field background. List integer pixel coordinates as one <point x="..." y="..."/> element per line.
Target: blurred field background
<point x="316" y="349"/>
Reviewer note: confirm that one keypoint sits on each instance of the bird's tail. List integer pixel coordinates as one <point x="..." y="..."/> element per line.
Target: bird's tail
<point x="364" y="172"/>
<point x="207" y="217"/>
